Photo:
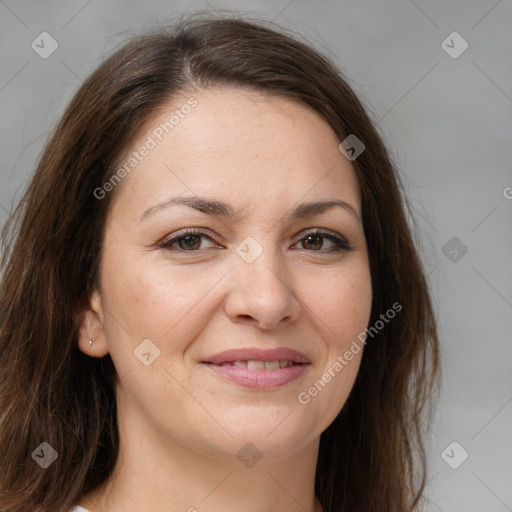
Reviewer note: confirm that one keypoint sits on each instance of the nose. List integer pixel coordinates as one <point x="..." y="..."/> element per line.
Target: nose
<point x="262" y="292"/>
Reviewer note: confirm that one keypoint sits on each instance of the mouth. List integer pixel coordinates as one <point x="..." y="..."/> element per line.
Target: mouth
<point x="257" y="368"/>
<point x="254" y="364"/>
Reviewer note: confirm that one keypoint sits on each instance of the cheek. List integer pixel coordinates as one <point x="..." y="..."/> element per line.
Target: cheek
<point x="342" y="301"/>
<point x="158" y="301"/>
<point x="342" y="305"/>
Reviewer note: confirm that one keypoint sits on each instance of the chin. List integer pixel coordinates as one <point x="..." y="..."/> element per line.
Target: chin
<point x="257" y="435"/>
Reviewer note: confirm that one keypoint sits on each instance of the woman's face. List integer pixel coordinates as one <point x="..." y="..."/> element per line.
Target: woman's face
<point x="252" y="280"/>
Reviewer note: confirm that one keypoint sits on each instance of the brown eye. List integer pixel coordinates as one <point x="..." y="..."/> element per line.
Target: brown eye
<point x="315" y="242"/>
<point x="312" y="242"/>
<point x="189" y="241"/>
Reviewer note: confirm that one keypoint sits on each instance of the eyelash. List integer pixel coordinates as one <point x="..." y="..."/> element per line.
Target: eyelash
<point x="340" y="243"/>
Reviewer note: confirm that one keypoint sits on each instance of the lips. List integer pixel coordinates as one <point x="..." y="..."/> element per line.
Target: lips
<point x="256" y="354"/>
<point x="259" y="368"/>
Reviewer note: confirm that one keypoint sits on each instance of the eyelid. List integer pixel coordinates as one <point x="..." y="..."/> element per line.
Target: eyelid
<point x="185" y="232"/>
<point x="319" y="232"/>
<point x="338" y="240"/>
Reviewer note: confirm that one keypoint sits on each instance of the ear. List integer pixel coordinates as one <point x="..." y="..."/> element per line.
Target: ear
<point x="91" y="328"/>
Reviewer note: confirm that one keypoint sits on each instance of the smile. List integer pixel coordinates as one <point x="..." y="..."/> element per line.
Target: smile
<point x="253" y="364"/>
<point x="259" y="374"/>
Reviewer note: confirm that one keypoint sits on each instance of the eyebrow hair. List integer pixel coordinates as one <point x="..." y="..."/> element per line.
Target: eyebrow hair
<point x="220" y="209"/>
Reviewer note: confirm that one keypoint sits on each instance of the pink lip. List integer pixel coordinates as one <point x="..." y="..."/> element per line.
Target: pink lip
<point x="257" y="354"/>
<point x="258" y="379"/>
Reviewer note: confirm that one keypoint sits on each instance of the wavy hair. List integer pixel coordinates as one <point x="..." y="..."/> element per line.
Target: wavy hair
<point x="372" y="457"/>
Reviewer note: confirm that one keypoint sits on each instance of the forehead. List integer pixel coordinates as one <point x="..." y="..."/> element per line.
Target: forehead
<point x="236" y="144"/>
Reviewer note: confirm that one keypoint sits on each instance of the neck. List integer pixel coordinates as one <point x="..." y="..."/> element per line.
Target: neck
<point x="153" y="473"/>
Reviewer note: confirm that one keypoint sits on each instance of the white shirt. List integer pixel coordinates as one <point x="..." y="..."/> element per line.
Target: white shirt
<point x="78" y="509"/>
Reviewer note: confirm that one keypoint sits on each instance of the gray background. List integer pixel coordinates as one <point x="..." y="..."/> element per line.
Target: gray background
<point x="448" y="124"/>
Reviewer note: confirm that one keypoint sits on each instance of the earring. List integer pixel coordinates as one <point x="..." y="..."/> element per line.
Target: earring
<point x="90" y="342"/>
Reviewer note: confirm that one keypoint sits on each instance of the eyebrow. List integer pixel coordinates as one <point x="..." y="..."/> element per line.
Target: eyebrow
<point x="220" y="209"/>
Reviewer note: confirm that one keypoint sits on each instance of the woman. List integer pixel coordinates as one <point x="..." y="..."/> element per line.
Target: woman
<point x="211" y="298"/>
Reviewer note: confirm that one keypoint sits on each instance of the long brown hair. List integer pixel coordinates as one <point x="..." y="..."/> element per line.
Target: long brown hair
<point x="372" y="457"/>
